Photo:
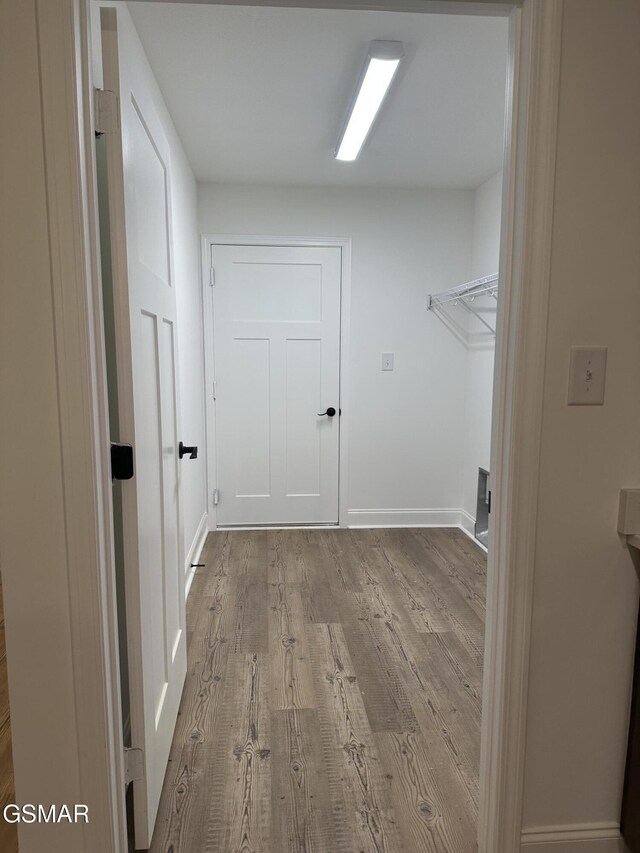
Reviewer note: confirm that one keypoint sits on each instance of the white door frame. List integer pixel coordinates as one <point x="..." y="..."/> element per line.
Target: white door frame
<point x="521" y="343"/>
<point x="67" y="114"/>
<point x="342" y="243"/>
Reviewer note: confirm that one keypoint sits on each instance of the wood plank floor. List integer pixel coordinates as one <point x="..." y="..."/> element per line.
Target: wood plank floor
<point x="332" y="702"/>
<point x="8" y="831"/>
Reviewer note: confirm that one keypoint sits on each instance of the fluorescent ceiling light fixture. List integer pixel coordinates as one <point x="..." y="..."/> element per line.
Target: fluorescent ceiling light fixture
<point x="382" y="63"/>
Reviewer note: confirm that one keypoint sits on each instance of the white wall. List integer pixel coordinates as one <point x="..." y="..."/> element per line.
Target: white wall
<point x="586" y="588"/>
<point x="405" y="427"/>
<point x="485" y="250"/>
<point x="485" y="255"/>
<point x="188" y="278"/>
<point x="188" y="288"/>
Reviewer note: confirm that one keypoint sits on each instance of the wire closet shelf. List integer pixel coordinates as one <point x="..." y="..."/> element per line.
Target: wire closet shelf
<point x="465" y="294"/>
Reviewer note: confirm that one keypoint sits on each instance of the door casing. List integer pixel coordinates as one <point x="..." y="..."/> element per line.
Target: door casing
<point x="344" y="244"/>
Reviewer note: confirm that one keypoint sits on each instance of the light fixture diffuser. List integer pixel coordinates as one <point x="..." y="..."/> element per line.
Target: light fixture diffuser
<point x="382" y="63"/>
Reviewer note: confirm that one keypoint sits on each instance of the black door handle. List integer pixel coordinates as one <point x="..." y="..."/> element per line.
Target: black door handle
<point x="330" y="412"/>
<point x="183" y="449"/>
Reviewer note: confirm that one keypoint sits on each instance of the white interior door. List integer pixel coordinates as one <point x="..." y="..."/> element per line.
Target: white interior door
<point x="145" y="320"/>
<point x="276" y="317"/>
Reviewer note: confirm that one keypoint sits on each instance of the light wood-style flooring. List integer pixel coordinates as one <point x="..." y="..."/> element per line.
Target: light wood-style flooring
<point x="8" y="831"/>
<point x="332" y="700"/>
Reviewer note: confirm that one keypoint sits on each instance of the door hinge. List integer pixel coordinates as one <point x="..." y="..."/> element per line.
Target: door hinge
<point x="212" y="276"/>
<point x="488" y="502"/>
<point x="133" y="765"/>
<point x="215" y="390"/>
<point x="106" y="111"/>
<point x="216" y="497"/>
<point x="121" y="461"/>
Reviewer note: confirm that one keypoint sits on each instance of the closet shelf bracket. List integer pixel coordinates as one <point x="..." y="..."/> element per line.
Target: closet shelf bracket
<point x="487" y="286"/>
<point x="465" y="294"/>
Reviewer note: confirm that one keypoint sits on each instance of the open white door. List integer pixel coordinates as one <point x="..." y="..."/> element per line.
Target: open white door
<point x="145" y="321"/>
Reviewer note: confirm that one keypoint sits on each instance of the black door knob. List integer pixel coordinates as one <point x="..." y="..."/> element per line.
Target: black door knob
<point x="330" y="412"/>
<point x="183" y="450"/>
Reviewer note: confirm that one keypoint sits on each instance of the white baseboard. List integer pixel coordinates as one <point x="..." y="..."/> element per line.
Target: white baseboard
<point x="573" y="838"/>
<point x="470" y="528"/>
<point x="404" y="518"/>
<point x="193" y="555"/>
<point x="385" y="518"/>
<point x="467" y="522"/>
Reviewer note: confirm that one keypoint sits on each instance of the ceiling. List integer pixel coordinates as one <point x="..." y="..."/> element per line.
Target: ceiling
<point x="259" y="94"/>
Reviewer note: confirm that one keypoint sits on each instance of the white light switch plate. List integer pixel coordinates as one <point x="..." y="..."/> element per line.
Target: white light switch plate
<point x="587" y="372"/>
<point x="387" y="361"/>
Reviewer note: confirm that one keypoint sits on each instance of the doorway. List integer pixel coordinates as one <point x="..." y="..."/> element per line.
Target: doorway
<point x="273" y="316"/>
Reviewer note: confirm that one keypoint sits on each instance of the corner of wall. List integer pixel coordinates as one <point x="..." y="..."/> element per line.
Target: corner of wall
<point x="485" y="254"/>
<point x="194" y="552"/>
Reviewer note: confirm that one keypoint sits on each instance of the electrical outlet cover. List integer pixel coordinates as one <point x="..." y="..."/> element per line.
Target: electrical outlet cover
<point x="387" y="361"/>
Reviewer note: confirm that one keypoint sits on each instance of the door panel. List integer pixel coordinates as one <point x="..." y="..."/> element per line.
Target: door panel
<point x="150" y="196"/>
<point x="252" y="469"/>
<point x="292" y="293"/>
<point x="303" y="378"/>
<point x="277" y="365"/>
<point x="147" y="378"/>
<point x="174" y="613"/>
